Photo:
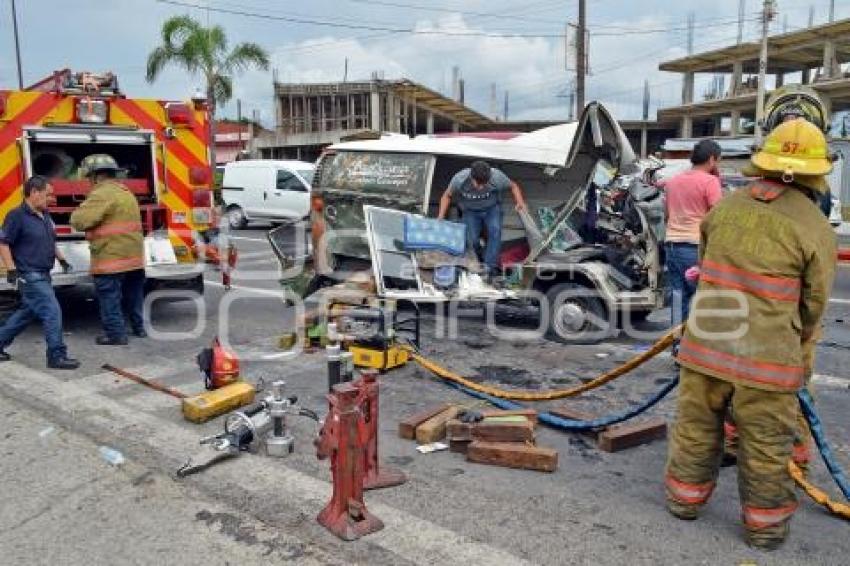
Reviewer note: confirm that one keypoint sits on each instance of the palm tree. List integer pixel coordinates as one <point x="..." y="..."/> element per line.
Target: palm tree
<point x="204" y="51"/>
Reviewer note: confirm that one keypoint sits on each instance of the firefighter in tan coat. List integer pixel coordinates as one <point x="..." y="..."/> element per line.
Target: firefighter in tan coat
<point x="111" y="219"/>
<point x="767" y="261"/>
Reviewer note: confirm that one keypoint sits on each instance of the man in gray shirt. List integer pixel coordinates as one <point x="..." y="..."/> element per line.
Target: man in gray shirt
<point x="478" y="191"/>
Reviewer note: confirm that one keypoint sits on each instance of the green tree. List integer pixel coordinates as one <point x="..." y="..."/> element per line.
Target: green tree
<point x="203" y="51"/>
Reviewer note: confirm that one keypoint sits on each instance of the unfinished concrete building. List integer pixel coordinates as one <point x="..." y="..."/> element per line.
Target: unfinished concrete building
<point x="309" y="117"/>
<point x="816" y="53"/>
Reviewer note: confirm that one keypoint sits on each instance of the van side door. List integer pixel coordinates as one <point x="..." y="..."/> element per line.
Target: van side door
<point x="290" y="198"/>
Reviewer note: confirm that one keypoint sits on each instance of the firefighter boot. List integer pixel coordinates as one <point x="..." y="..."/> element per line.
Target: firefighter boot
<point x="767" y="422"/>
<point x="695" y="443"/>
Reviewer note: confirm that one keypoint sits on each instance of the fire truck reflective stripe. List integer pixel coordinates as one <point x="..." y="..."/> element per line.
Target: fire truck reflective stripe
<point x="10" y="196"/>
<point x="9" y="159"/>
<point x="34" y="113"/>
<point x="760" y="518"/>
<point x="779" y="375"/>
<point x="690" y="493"/>
<point x="104" y="266"/>
<point x="113" y="229"/>
<point x="185" y="136"/>
<point x="769" y="287"/>
<point x="173" y="147"/>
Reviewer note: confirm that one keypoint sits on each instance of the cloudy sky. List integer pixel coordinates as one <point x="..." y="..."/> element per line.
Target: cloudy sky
<point x="519" y="46"/>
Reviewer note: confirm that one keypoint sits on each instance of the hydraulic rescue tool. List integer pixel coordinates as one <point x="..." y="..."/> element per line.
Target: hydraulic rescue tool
<point x="261" y="424"/>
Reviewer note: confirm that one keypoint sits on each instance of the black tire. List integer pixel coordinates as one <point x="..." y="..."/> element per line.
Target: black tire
<point x="236" y="217"/>
<point x="586" y="322"/>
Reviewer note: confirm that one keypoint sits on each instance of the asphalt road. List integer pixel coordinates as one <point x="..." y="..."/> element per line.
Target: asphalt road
<point x="597" y="508"/>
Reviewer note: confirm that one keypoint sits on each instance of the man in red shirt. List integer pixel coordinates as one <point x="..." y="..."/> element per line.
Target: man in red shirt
<point x="689" y="197"/>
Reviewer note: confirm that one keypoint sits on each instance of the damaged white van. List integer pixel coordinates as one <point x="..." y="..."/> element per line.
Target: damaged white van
<point x="589" y="246"/>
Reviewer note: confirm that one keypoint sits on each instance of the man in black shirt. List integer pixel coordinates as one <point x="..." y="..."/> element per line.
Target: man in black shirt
<point x="28" y="251"/>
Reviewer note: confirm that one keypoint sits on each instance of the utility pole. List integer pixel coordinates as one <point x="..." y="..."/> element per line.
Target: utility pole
<point x="644" y="134"/>
<point x="507" y="97"/>
<point x="742" y="14"/>
<point x="831" y="10"/>
<point x="17" y="46"/>
<point x="581" y="54"/>
<point x="811" y="16"/>
<point x="767" y="15"/>
<point x="691" y="22"/>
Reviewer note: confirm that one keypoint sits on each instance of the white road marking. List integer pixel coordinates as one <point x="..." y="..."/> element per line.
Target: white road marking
<point x="413" y="539"/>
<point x="840" y="301"/>
<point x="250" y="290"/>
<point x="830" y="380"/>
<point x="247" y="239"/>
<point x="254" y="255"/>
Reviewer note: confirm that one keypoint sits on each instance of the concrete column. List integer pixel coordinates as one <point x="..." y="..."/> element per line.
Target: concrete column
<point x="737" y="78"/>
<point x="375" y="109"/>
<point x="780" y="79"/>
<point x="455" y="127"/>
<point x="415" y="118"/>
<point x="394" y="113"/>
<point x="830" y="66"/>
<point x="735" y="125"/>
<point x="807" y="76"/>
<point x="687" y="127"/>
<point x="643" y="140"/>
<point x="429" y="128"/>
<point x="688" y="88"/>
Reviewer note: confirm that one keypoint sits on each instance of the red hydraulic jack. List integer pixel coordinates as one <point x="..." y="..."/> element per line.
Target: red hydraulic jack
<point x="377" y="476"/>
<point x="344" y="438"/>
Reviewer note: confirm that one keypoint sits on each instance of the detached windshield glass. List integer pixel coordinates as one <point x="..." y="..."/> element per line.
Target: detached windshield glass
<point x="402" y="174"/>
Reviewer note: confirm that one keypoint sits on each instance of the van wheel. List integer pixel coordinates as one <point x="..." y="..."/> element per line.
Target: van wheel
<point x="236" y="217"/>
<point x="577" y="315"/>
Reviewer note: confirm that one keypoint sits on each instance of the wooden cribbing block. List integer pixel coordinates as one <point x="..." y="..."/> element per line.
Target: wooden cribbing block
<point x="504" y="432"/>
<point x="513" y="455"/>
<point x="459" y="446"/>
<point x="434" y="429"/>
<point x="620" y="437"/>
<point x="531" y="414"/>
<point x="407" y="427"/>
<point x="457" y="430"/>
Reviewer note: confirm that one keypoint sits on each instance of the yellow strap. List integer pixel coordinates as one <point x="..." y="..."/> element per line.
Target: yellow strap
<point x="523" y="395"/>
<point x="818" y="496"/>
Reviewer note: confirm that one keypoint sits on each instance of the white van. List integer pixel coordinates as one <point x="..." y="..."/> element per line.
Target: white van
<point x="259" y="189"/>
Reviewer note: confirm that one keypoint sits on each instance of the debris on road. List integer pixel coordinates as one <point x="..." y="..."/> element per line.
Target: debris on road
<point x="111" y="455"/>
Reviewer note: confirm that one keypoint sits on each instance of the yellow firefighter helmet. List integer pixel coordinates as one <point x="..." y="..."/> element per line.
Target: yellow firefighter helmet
<point x="795" y="151"/>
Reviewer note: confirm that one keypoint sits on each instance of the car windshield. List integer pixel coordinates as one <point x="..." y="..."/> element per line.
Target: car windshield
<point x="400" y="174"/>
<point x="307" y="175"/>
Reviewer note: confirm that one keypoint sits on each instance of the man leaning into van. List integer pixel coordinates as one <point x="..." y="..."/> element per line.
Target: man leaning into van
<point x="479" y="191"/>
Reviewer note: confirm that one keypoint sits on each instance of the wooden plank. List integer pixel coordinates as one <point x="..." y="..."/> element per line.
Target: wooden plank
<point x="434" y="429"/>
<point x="504" y="432"/>
<point x="513" y="455"/>
<point x="531" y="414"/>
<point x="407" y="427"/>
<point x="457" y="430"/>
<point x="620" y="437"/>
<point x="459" y="446"/>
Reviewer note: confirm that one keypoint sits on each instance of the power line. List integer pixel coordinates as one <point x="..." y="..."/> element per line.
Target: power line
<point x="423" y="8"/>
<point x="366" y="27"/>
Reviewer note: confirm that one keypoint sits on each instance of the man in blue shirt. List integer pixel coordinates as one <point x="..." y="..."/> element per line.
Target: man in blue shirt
<point x="478" y="191"/>
<point x="28" y="251"/>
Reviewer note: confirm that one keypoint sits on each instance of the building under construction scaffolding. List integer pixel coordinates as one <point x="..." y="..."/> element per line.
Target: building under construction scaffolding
<point x="816" y="54"/>
<point x="309" y="117"/>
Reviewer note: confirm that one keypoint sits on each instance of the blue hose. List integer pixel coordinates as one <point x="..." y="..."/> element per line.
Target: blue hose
<point x="574" y="425"/>
<point x="808" y="406"/>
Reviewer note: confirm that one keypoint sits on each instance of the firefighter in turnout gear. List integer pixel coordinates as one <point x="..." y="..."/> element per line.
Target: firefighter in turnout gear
<point x="767" y="261"/>
<point x="111" y="219"/>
